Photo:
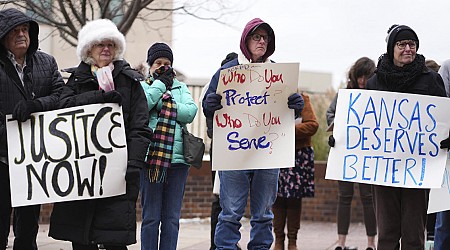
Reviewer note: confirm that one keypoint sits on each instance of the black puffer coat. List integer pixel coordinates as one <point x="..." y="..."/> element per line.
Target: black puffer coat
<point x="42" y="79"/>
<point x="111" y="220"/>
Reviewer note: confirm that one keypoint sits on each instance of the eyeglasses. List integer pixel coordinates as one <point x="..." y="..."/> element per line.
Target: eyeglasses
<point x="103" y="45"/>
<point x="257" y="37"/>
<point x="402" y="45"/>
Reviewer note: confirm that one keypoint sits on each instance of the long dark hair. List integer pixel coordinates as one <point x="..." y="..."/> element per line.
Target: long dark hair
<point x="364" y="66"/>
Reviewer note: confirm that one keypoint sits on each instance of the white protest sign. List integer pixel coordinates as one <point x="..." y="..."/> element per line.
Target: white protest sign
<point x="255" y="127"/>
<point x="67" y="154"/>
<point x="440" y="197"/>
<point x="389" y="139"/>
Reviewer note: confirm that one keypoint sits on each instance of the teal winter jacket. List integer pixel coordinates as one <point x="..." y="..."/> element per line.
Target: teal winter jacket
<point x="186" y="110"/>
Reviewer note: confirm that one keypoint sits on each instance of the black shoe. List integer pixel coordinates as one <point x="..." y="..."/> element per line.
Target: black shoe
<point x="370" y="248"/>
<point x="338" y="248"/>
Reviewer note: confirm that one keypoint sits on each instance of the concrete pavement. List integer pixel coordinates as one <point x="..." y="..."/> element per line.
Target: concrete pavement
<point x="194" y="235"/>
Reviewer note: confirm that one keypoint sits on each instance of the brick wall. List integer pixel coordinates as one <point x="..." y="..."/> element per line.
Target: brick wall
<point x="198" y="197"/>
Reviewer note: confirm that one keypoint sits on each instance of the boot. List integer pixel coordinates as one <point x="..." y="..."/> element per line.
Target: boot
<point x="279" y="222"/>
<point x="293" y="223"/>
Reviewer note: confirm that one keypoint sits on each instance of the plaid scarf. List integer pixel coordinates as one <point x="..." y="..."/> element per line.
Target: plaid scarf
<point x="163" y="139"/>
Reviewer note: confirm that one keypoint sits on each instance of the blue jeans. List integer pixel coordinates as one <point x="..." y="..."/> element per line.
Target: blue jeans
<point x="234" y="190"/>
<point x="161" y="205"/>
<point x="442" y="231"/>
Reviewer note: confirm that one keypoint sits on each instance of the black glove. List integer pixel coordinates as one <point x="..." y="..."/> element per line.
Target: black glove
<point x="112" y="96"/>
<point x="212" y="102"/>
<point x="165" y="74"/>
<point x="296" y="102"/>
<point x="445" y="143"/>
<point x="331" y="141"/>
<point x="24" y="108"/>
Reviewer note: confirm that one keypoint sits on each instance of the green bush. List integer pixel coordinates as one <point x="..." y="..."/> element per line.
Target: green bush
<point x="320" y="103"/>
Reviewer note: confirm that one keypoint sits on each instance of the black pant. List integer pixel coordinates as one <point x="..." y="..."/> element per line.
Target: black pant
<point x="215" y="211"/>
<point x="401" y="217"/>
<point x="26" y="218"/>
<point x="76" y="246"/>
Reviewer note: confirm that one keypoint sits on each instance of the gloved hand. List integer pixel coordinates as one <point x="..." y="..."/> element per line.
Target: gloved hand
<point x="112" y="96"/>
<point x="165" y="74"/>
<point x="296" y="102"/>
<point x="24" y="108"/>
<point x="445" y="143"/>
<point x="331" y="141"/>
<point x="212" y="102"/>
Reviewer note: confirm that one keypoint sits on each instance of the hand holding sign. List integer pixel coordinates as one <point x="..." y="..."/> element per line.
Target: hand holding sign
<point x="296" y="102"/>
<point x="24" y="108"/>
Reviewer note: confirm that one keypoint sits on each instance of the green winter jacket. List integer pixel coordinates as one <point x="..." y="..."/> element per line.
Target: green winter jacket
<point x="186" y="110"/>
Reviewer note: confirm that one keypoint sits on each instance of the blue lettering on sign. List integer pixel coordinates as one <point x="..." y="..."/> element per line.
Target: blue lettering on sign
<point x="245" y="143"/>
<point x="233" y="98"/>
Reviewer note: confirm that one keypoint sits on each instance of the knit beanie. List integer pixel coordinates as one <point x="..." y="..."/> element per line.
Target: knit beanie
<point x="95" y="32"/>
<point x="398" y="33"/>
<point x="158" y="50"/>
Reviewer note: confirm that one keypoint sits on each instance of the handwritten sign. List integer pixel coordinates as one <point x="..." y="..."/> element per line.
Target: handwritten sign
<point x="67" y="154"/>
<point x="255" y="128"/>
<point x="389" y="139"/>
<point x="440" y="197"/>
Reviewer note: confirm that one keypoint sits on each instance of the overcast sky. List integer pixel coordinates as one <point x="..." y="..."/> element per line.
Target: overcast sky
<point x="322" y="35"/>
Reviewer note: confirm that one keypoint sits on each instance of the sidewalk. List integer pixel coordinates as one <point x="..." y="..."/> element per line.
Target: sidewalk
<point x="194" y="235"/>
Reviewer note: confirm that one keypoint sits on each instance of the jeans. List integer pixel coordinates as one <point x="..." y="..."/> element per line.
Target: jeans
<point x="235" y="186"/>
<point x="442" y="231"/>
<point x="161" y="208"/>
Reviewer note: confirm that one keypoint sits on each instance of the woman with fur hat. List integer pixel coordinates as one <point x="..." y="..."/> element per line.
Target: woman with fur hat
<point x="104" y="77"/>
<point x="257" y="45"/>
<point x="162" y="185"/>
<point x="401" y="213"/>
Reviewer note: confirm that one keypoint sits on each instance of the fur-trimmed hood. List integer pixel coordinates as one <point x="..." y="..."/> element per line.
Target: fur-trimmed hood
<point x="97" y="31"/>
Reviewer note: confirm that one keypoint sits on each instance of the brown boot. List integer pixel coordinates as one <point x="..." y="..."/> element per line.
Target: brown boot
<point x="293" y="222"/>
<point x="279" y="222"/>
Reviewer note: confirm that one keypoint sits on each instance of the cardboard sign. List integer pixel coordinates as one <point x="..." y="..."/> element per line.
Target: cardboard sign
<point x="255" y="127"/>
<point x="67" y="154"/>
<point x="389" y="139"/>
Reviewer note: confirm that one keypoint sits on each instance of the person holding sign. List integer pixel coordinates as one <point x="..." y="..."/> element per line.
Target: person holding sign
<point x="359" y="73"/>
<point x="257" y="45"/>
<point x="30" y="82"/>
<point x="104" y="77"/>
<point x="296" y="182"/>
<point x="402" y="212"/>
<point x="162" y="185"/>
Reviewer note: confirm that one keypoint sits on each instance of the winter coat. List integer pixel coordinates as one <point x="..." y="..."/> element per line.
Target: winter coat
<point x="428" y="83"/>
<point x="186" y="110"/>
<point x="42" y="80"/>
<point x="111" y="220"/>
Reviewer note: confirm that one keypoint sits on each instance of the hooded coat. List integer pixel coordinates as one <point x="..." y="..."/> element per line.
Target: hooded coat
<point x="42" y="80"/>
<point x="243" y="58"/>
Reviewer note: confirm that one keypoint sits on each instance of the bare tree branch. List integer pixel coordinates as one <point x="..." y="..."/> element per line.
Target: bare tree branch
<point x="68" y="16"/>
